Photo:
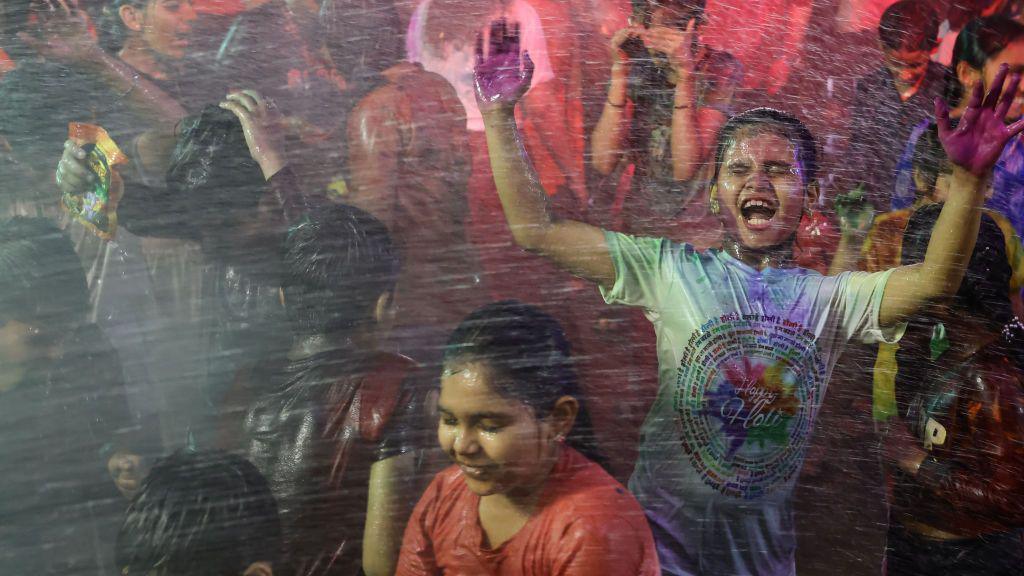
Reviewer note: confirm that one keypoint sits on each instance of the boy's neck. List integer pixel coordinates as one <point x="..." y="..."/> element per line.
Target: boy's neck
<point x="780" y="256"/>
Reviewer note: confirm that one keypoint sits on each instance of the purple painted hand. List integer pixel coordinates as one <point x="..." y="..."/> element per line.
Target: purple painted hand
<point x="502" y="76"/>
<point x="978" y="140"/>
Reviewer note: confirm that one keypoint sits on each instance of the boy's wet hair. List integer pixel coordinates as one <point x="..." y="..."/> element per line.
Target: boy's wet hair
<point x="337" y="266"/>
<point x="909" y="25"/>
<point x="41" y="279"/>
<point x="529" y="351"/>
<point x="778" y="122"/>
<point x="199" y="514"/>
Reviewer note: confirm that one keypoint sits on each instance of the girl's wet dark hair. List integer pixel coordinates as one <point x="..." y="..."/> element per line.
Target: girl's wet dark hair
<point x="41" y="279"/>
<point x="199" y="514"/>
<point x="528" y="348"/>
<point x="212" y="173"/>
<point x="781" y="123"/>
<point x="979" y="40"/>
<point x="984" y="292"/>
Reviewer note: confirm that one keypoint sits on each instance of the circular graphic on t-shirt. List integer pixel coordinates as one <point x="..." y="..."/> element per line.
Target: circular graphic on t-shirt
<point x="746" y="395"/>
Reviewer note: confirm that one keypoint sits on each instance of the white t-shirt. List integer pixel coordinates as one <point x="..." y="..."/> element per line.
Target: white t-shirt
<point x="458" y="59"/>
<point x="744" y="359"/>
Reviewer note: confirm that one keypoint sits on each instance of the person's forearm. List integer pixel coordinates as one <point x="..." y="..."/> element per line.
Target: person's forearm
<point x="523" y="198"/>
<point x="686" y="148"/>
<point x="608" y="136"/>
<point x="953" y="238"/>
<point x="141" y="95"/>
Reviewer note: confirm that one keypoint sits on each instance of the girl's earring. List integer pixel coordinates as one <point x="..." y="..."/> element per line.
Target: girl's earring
<point x="716" y="208"/>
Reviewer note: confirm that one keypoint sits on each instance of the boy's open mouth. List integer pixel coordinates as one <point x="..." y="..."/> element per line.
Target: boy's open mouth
<point x="758" y="212"/>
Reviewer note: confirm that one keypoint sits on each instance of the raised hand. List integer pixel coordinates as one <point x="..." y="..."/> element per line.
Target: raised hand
<point x="978" y="140"/>
<point x="501" y="75"/>
<point x="263" y="126"/>
<point x="675" y="44"/>
<point x="64" y="34"/>
<point x="625" y="43"/>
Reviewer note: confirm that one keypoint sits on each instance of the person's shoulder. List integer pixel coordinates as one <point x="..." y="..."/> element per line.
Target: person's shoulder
<point x="590" y="495"/>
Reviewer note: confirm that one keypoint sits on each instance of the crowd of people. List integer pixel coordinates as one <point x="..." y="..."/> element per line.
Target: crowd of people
<point x="511" y="287"/>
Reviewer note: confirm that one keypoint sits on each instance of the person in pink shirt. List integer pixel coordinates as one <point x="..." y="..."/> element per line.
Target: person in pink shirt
<point x="522" y="499"/>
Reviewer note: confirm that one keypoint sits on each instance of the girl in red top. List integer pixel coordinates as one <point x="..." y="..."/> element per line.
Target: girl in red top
<point x="521" y="499"/>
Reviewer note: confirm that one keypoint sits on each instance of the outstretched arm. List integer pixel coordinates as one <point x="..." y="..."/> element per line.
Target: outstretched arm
<point x="974" y="146"/>
<point x="502" y="79"/>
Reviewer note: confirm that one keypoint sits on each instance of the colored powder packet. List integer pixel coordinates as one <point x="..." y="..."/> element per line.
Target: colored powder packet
<point x="96" y="208"/>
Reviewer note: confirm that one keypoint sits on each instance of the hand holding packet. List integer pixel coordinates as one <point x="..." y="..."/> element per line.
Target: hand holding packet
<point x="96" y="208"/>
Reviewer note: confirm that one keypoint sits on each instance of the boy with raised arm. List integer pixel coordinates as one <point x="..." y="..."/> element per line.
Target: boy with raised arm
<point x="746" y="342"/>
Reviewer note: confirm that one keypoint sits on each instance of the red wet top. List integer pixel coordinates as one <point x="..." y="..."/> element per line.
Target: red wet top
<point x="586" y="524"/>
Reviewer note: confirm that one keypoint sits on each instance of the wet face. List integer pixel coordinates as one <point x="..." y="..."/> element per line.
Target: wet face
<point x="760" y="189"/>
<point x="19" y="351"/>
<point x="166" y="26"/>
<point x="907" y="67"/>
<point x="500" y="445"/>
<point x="1012" y="56"/>
<point x="127" y="472"/>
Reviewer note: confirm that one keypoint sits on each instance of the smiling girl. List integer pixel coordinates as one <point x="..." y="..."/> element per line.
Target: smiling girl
<point x="521" y="499"/>
<point x="746" y="342"/>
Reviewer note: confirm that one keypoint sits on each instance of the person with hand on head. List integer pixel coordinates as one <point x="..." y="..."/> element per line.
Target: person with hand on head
<point x="524" y="496"/>
<point x="201" y="514"/>
<point x="230" y="190"/>
<point x="746" y="342"/>
<point x="668" y="97"/>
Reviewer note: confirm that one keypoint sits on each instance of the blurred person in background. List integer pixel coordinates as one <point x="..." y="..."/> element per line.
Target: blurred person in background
<point x="335" y="423"/>
<point x="63" y="415"/>
<point x="890" y="102"/>
<point x="668" y="97"/>
<point x="955" y="452"/>
<point x="201" y="514"/>
<point x="408" y="164"/>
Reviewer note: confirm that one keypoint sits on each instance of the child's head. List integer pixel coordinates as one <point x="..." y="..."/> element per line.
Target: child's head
<point x="43" y="295"/>
<point x="908" y="33"/>
<point x="509" y="397"/>
<point x="931" y="167"/>
<point x="766" y="163"/>
<point x="981" y="48"/>
<point x="339" y="273"/>
<point x="201" y="514"/>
